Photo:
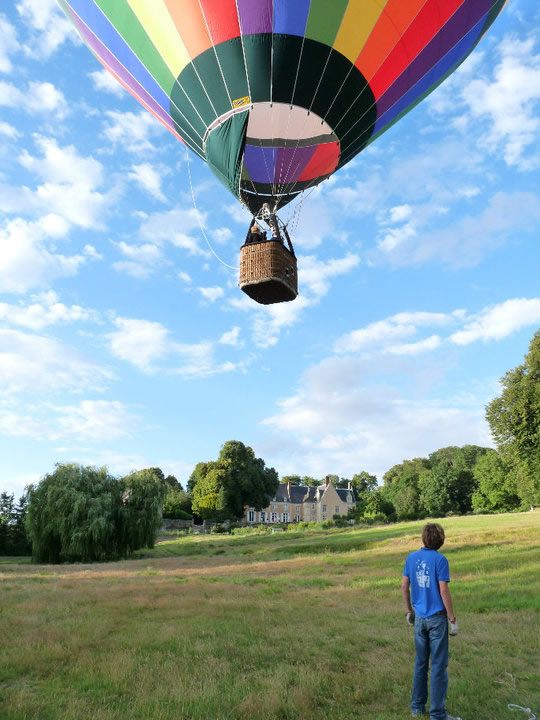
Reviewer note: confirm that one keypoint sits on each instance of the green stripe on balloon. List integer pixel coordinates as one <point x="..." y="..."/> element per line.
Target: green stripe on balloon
<point x="127" y="24"/>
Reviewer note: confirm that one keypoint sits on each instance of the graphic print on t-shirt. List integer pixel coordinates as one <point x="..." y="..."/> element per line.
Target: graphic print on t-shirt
<point x="422" y="574"/>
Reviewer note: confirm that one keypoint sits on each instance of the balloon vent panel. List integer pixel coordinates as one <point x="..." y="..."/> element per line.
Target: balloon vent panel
<point x="268" y="272"/>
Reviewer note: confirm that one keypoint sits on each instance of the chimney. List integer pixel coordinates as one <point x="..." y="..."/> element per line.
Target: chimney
<point x="349" y="485"/>
<point x="327" y="481"/>
<point x="289" y="484"/>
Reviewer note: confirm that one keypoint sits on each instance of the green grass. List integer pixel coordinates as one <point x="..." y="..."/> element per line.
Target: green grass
<point x="292" y="626"/>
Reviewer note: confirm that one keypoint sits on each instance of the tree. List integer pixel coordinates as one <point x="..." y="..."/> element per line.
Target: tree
<point x="496" y="485"/>
<point x="449" y="485"/>
<point x="79" y="513"/>
<point x="222" y="489"/>
<point x="363" y="482"/>
<point x="73" y="515"/>
<point x="514" y="419"/>
<point x="403" y="484"/>
<point x="292" y="479"/>
<point x="378" y="506"/>
<point x="177" y="505"/>
<point x="142" y="503"/>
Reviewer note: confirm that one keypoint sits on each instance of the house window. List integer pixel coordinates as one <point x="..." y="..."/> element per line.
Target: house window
<point x="324" y="517"/>
<point x="297" y="518"/>
<point x="263" y="516"/>
<point x="285" y="507"/>
<point x="313" y="506"/>
<point x="337" y="509"/>
<point x="273" y="506"/>
<point x="286" y="517"/>
<point x="273" y="517"/>
<point x="324" y="508"/>
<point x="298" y="508"/>
<point x="251" y="516"/>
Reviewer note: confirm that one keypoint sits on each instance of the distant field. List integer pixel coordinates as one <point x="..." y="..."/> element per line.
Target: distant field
<point x="292" y="626"/>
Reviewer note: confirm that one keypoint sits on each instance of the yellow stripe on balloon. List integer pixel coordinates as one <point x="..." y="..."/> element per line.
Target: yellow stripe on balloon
<point x="359" y="20"/>
<point x="160" y="28"/>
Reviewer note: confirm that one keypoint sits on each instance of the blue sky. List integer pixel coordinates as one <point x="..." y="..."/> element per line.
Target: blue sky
<point x="125" y="341"/>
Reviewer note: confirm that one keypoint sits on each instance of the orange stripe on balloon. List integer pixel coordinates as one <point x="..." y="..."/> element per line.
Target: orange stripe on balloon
<point x="385" y="36"/>
<point x="431" y="18"/>
<point x="222" y="19"/>
<point x="191" y="26"/>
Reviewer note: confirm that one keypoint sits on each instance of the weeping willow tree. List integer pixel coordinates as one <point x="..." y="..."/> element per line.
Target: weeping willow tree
<point x="84" y="514"/>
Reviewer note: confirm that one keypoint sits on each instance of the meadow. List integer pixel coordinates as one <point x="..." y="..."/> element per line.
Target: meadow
<point x="291" y="626"/>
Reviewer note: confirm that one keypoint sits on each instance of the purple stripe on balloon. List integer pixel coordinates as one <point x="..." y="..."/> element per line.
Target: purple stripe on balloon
<point x="255" y="16"/>
<point x="108" y="59"/>
<point x="290" y="163"/>
<point x="291" y="18"/>
<point x="432" y="78"/>
<point x="450" y="35"/>
<point x="260" y="162"/>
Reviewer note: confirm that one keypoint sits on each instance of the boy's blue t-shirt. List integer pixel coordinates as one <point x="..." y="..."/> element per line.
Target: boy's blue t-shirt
<point x="425" y="568"/>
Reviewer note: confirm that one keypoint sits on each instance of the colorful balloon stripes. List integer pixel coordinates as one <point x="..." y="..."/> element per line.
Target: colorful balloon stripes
<point x="340" y="72"/>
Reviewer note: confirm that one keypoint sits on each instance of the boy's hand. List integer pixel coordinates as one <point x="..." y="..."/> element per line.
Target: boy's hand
<point x="410" y="618"/>
<point x="454" y="627"/>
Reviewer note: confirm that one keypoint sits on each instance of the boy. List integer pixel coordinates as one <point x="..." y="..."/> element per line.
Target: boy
<point x="425" y="577"/>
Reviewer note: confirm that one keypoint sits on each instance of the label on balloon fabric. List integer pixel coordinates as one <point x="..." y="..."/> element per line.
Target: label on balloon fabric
<point x="241" y="102"/>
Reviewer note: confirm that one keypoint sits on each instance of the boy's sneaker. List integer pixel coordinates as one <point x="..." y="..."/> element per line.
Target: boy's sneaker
<point x="452" y="717"/>
<point x="417" y="713"/>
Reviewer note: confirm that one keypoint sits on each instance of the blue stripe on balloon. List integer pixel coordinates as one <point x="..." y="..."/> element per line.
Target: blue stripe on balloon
<point x="92" y="16"/>
<point x="291" y="17"/>
<point x="430" y="80"/>
<point x="260" y="162"/>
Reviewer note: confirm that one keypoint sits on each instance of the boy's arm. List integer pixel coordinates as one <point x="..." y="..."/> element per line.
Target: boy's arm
<point x="405" y="583"/>
<point x="447" y="600"/>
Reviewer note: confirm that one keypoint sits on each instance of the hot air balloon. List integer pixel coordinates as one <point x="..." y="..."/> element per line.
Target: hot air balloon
<point x="276" y="95"/>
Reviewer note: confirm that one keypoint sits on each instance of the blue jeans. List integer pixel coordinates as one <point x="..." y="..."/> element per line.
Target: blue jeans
<point x="430" y="638"/>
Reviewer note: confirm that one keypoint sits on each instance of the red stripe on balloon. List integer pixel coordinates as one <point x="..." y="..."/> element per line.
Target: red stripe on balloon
<point x="222" y="19"/>
<point x="433" y="16"/>
<point x="324" y="161"/>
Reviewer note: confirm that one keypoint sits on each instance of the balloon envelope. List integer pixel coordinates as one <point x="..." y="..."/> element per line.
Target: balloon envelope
<point x="276" y="95"/>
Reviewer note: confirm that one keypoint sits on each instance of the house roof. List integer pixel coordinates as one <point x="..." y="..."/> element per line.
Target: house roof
<point x="298" y="494"/>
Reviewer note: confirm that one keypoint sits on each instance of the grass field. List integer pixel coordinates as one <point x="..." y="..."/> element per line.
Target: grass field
<point x="292" y="626"/>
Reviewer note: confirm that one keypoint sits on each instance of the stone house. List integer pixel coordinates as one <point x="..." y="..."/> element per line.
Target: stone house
<point x="296" y="503"/>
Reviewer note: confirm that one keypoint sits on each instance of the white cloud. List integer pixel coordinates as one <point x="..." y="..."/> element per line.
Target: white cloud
<point x="464" y="242"/>
<point x="8" y="45"/>
<point x="400" y="213"/>
<point x="37" y="98"/>
<point x="397" y="327"/>
<point x="341" y="421"/>
<point x="179" y="227"/>
<point x="26" y="262"/>
<point x="42" y="365"/>
<point x="212" y="293"/>
<point x="8" y="131"/>
<point x="499" y="321"/>
<point x="508" y="101"/>
<point x="149" y="178"/>
<point x="142" y="260"/>
<point x="232" y="337"/>
<point x="43" y="311"/>
<point x="94" y="420"/>
<point x="143" y="343"/>
<point x="132" y="131"/>
<point x="140" y="342"/>
<point x="103" y="80"/>
<point x="70" y="193"/>
<point x="430" y="343"/>
<point x="49" y="25"/>
<point x="315" y="280"/>
<point x="89" y="421"/>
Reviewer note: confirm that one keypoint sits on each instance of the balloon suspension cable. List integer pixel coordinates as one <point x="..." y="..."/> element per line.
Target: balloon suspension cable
<point x="201" y="227"/>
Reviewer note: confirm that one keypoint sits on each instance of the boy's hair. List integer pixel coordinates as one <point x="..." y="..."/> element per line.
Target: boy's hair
<point x="433" y="536"/>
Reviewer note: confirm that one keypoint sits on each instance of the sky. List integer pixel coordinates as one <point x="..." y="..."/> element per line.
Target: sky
<point x="125" y="341"/>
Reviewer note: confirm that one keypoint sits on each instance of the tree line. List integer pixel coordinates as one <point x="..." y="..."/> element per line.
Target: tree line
<point x="79" y="513"/>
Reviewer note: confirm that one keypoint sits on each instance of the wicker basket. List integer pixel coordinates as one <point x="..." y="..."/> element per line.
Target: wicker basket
<point x="268" y="272"/>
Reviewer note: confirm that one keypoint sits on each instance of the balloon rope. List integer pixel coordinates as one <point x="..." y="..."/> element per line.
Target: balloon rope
<point x="201" y="227"/>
